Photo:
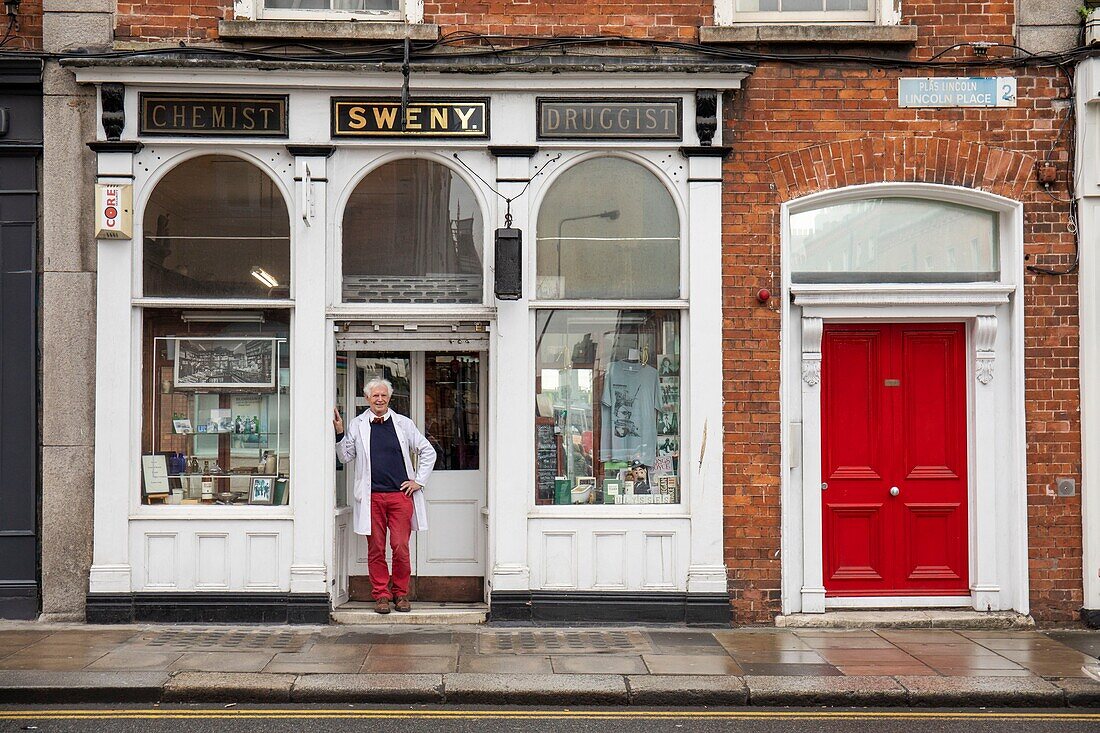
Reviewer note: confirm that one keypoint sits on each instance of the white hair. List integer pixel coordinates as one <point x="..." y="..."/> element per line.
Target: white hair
<point x="378" y="382"/>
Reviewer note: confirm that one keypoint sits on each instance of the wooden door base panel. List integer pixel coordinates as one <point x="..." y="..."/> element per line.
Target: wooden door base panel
<point x="435" y="589"/>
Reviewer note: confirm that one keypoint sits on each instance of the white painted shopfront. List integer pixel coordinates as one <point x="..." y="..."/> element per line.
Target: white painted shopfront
<point x="524" y="363"/>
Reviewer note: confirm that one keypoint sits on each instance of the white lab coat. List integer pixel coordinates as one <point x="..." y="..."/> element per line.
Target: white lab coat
<point x="356" y="447"/>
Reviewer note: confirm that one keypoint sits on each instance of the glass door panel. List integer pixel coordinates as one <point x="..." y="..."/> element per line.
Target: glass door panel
<point x="452" y="409"/>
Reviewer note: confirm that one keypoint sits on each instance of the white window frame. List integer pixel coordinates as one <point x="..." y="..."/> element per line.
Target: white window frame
<point x="879" y="12"/>
<point x="410" y="11"/>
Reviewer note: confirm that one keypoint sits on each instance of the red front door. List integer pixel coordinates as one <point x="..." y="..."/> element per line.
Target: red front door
<point x="893" y="459"/>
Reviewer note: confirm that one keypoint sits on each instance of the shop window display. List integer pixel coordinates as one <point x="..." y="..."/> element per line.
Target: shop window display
<point x="607" y="407"/>
<point x="216" y="408"/>
<point x="216" y="227"/>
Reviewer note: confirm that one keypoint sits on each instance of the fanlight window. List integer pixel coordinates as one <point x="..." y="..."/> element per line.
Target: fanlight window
<point x="894" y="240"/>
<point x="608" y="228"/>
<point x="413" y="233"/>
<point x="216" y="227"/>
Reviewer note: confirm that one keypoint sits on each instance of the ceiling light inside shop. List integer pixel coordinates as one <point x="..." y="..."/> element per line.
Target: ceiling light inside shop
<point x="265" y="277"/>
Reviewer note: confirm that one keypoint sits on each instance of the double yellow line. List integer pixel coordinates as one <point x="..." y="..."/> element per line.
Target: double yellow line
<point x="564" y="714"/>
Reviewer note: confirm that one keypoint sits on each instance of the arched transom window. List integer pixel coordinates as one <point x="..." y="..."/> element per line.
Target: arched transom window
<point x="413" y="233"/>
<point x="894" y="239"/>
<point x="216" y="227"/>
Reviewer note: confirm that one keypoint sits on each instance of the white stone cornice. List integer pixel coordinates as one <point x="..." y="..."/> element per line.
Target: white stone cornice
<point x="894" y="295"/>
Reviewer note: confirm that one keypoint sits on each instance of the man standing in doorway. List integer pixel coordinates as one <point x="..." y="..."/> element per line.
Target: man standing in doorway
<point x="388" y="491"/>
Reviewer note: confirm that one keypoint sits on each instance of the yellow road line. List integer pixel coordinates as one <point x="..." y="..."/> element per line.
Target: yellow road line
<point x="229" y="713"/>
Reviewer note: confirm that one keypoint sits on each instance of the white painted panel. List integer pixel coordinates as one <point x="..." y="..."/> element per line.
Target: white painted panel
<point x="262" y="560"/>
<point x="161" y="560"/>
<point x="453" y="547"/>
<point x="559" y="559"/>
<point x="660" y="565"/>
<point x="609" y="560"/>
<point x="340" y="594"/>
<point x="212" y="560"/>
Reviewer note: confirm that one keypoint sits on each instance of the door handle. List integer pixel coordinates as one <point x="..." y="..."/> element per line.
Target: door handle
<point x="894" y="491"/>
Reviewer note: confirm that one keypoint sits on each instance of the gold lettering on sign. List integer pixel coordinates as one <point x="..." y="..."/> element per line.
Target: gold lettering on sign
<point x="249" y="115"/>
<point x="217" y="116"/>
<point x="358" y="121"/>
<point x="412" y="118"/>
<point x="438" y="118"/>
<point x="179" y="116"/>
<point x="385" y="117"/>
<point x="160" y="115"/>
<point x="196" y="117"/>
<point x="464" y="119"/>
<point x="553" y="119"/>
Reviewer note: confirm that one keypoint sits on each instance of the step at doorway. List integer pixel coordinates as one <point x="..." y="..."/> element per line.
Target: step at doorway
<point x="422" y="614"/>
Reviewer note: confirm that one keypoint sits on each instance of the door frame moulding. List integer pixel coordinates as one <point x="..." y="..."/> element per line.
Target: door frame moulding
<point x="997" y="495"/>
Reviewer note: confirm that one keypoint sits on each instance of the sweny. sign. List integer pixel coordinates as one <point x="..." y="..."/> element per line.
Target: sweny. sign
<point x="422" y="118"/>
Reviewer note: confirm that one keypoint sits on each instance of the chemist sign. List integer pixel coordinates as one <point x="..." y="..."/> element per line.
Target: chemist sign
<point x="957" y="91"/>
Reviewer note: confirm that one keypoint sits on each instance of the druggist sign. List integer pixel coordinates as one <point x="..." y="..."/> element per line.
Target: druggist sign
<point x="114" y="211"/>
<point x="957" y="91"/>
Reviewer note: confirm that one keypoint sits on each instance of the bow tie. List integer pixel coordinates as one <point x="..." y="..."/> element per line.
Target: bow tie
<point x="377" y="420"/>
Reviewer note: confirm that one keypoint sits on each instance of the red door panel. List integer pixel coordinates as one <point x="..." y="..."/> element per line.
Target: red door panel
<point x="893" y="414"/>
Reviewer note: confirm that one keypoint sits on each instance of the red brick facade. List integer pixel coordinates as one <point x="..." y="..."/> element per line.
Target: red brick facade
<point x="26" y="31"/>
<point x="799" y="128"/>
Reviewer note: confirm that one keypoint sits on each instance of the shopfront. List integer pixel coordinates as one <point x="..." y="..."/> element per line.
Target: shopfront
<point x="292" y="239"/>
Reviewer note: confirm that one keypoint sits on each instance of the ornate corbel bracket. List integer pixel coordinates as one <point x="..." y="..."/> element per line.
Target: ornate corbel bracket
<point x="811" y="350"/>
<point x="112" y="101"/>
<point x="706" y="115"/>
<point x="985" y="336"/>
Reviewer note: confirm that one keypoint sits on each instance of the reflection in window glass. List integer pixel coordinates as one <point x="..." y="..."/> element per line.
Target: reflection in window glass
<point x="413" y="234"/>
<point x="894" y="240"/>
<point x="216" y="409"/>
<point x="801" y="6"/>
<point x="607" y="407"/>
<point x="608" y="228"/>
<point x="216" y="227"/>
<point x="452" y="410"/>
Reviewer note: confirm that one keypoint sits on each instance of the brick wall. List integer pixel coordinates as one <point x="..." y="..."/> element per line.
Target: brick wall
<point x="26" y="33"/>
<point x="798" y="130"/>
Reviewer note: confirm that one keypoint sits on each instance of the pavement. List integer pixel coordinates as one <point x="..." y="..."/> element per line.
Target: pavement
<point x="649" y="666"/>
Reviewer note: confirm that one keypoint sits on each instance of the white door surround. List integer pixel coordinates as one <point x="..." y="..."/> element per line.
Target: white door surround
<point x="997" y="509"/>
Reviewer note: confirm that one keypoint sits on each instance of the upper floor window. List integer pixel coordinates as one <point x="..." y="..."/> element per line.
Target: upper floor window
<point x="894" y="239"/>
<point x="216" y="227"/>
<point x="413" y="233"/>
<point x="806" y="11"/>
<point x="403" y="10"/>
<point x="608" y="228"/>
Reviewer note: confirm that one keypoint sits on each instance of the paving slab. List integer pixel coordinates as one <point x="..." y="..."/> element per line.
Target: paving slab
<point x="368" y="688"/>
<point x="502" y="663"/>
<point x="690" y="664"/>
<point x="37" y="686"/>
<point x="655" y="689"/>
<point x="535" y="689"/>
<point x="1080" y="692"/>
<point x="880" y="691"/>
<point x="598" y="664"/>
<point x="981" y="691"/>
<point x="228" y="687"/>
<point x="222" y="661"/>
<point x="410" y="665"/>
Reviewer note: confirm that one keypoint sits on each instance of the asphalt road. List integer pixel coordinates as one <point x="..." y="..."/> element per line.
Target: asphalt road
<point x="452" y="719"/>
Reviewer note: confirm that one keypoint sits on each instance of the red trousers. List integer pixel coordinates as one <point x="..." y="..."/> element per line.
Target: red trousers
<point x="390" y="510"/>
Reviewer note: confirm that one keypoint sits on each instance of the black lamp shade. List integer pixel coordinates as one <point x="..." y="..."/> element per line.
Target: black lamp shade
<point x="509" y="264"/>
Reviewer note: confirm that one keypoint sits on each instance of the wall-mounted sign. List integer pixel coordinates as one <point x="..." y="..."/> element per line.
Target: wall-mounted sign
<point x="423" y="118"/>
<point x="114" y="211"/>
<point x="957" y="91"/>
<point x="609" y="119"/>
<point x="260" y="115"/>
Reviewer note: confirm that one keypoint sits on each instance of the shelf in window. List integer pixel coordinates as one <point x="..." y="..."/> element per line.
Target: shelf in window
<point x="833" y="33"/>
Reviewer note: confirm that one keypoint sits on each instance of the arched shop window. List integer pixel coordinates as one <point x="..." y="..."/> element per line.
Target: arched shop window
<point x="413" y="233"/>
<point x="894" y="239"/>
<point x="608" y="229"/>
<point x="216" y="227"/>
<point x="607" y="396"/>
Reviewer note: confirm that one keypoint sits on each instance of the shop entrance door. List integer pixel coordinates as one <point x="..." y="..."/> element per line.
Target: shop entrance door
<point x="894" y="460"/>
<point x="443" y="392"/>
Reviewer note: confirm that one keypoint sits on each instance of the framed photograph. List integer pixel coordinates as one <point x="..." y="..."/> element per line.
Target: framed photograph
<point x="219" y="363"/>
<point x="182" y="426"/>
<point x="668" y="365"/>
<point x="262" y="490"/>
<point x="670" y="336"/>
<point x="154" y="471"/>
<point x="668" y="423"/>
<point x="670" y="391"/>
<point x="668" y="445"/>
